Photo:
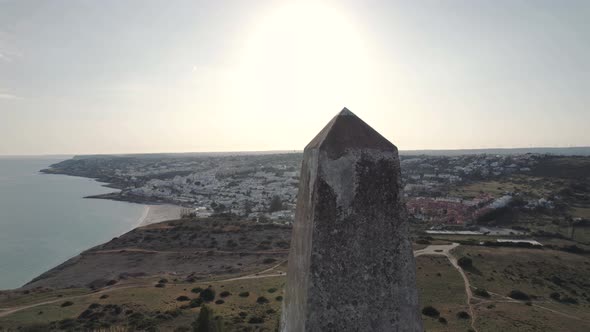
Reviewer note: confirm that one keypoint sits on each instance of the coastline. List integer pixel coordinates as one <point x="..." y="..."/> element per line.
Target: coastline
<point x="157" y="213"/>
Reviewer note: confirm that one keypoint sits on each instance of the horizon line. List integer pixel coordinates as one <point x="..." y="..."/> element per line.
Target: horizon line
<point x="277" y="151"/>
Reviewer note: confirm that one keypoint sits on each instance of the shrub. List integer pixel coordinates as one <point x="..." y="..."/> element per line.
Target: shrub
<point x="465" y="262"/>
<point x="261" y="300"/>
<point x="93" y="306"/>
<point x="163" y="281"/>
<point x="272" y="290"/>
<point x="197" y="290"/>
<point x="481" y="292"/>
<point x="196" y="302"/>
<point x="463" y="315"/>
<point x="442" y="320"/>
<point x="255" y="320"/>
<point x="208" y="294"/>
<point x="105" y="296"/>
<point x="279" y="298"/>
<point x="219" y="301"/>
<point x="67" y="304"/>
<point x="111" y="282"/>
<point x="556" y="296"/>
<point x="282" y="244"/>
<point x="244" y="294"/>
<point x="430" y="311"/>
<point x="569" y="300"/>
<point x="269" y="260"/>
<point x="183" y="298"/>
<point x="276" y="204"/>
<point x="224" y="294"/>
<point x="160" y="285"/>
<point x="519" y="295"/>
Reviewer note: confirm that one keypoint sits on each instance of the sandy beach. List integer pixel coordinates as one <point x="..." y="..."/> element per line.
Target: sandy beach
<point x="157" y="213"/>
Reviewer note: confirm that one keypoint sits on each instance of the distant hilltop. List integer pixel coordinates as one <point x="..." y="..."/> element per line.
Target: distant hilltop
<point x="572" y="151"/>
<point x="566" y="151"/>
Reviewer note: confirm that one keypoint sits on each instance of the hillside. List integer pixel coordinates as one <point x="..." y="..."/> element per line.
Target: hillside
<point x="187" y="249"/>
<point x="154" y="278"/>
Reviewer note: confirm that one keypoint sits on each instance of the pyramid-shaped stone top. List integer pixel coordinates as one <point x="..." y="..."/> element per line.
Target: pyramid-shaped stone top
<point x="346" y="131"/>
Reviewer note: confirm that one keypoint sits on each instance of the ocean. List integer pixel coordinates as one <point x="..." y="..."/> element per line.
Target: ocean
<point x="44" y="219"/>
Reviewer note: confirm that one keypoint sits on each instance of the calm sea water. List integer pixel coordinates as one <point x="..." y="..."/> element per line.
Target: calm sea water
<point x="44" y="220"/>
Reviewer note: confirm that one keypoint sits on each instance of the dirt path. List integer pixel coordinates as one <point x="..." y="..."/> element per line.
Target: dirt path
<point x="507" y="299"/>
<point x="445" y="250"/>
<point x="442" y="250"/>
<point x="257" y="275"/>
<point x="8" y="311"/>
<point x="147" y="251"/>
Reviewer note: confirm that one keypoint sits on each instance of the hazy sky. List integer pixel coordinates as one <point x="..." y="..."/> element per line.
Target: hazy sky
<point x="170" y="76"/>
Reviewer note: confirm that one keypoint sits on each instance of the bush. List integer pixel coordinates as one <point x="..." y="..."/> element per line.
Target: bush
<point x="272" y="290"/>
<point x="163" y="281"/>
<point x="569" y="300"/>
<point x="183" y="298"/>
<point x="430" y="311"/>
<point x="111" y="282"/>
<point x="224" y="294"/>
<point x="276" y="204"/>
<point x="195" y="303"/>
<point x="208" y="294"/>
<point x="519" y="295"/>
<point x="255" y="320"/>
<point x="556" y="296"/>
<point x="219" y="301"/>
<point x="67" y="304"/>
<point x="463" y="315"/>
<point x="160" y="285"/>
<point x="261" y="300"/>
<point x="197" y="290"/>
<point x="465" y="262"/>
<point x="269" y="260"/>
<point x="442" y="320"/>
<point x="279" y="298"/>
<point x="244" y="294"/>
<point x="105" y="296"/>
<point x="481" y="292"/>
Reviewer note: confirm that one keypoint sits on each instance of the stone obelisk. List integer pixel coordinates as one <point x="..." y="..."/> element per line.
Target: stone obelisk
<point x="351" y="265"/>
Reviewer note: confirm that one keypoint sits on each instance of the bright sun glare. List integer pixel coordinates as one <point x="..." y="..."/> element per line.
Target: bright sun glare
<point x="309" y="50"/>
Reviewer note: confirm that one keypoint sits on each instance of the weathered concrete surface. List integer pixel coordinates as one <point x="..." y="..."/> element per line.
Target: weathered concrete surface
<point x="351" y="266"/>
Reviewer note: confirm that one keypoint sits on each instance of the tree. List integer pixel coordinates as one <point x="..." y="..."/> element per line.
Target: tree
<point x="465" y="262"/>
<point x="208" y="294"/>
<point x="430" y="311"/>
<point x="276" y="204"/>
